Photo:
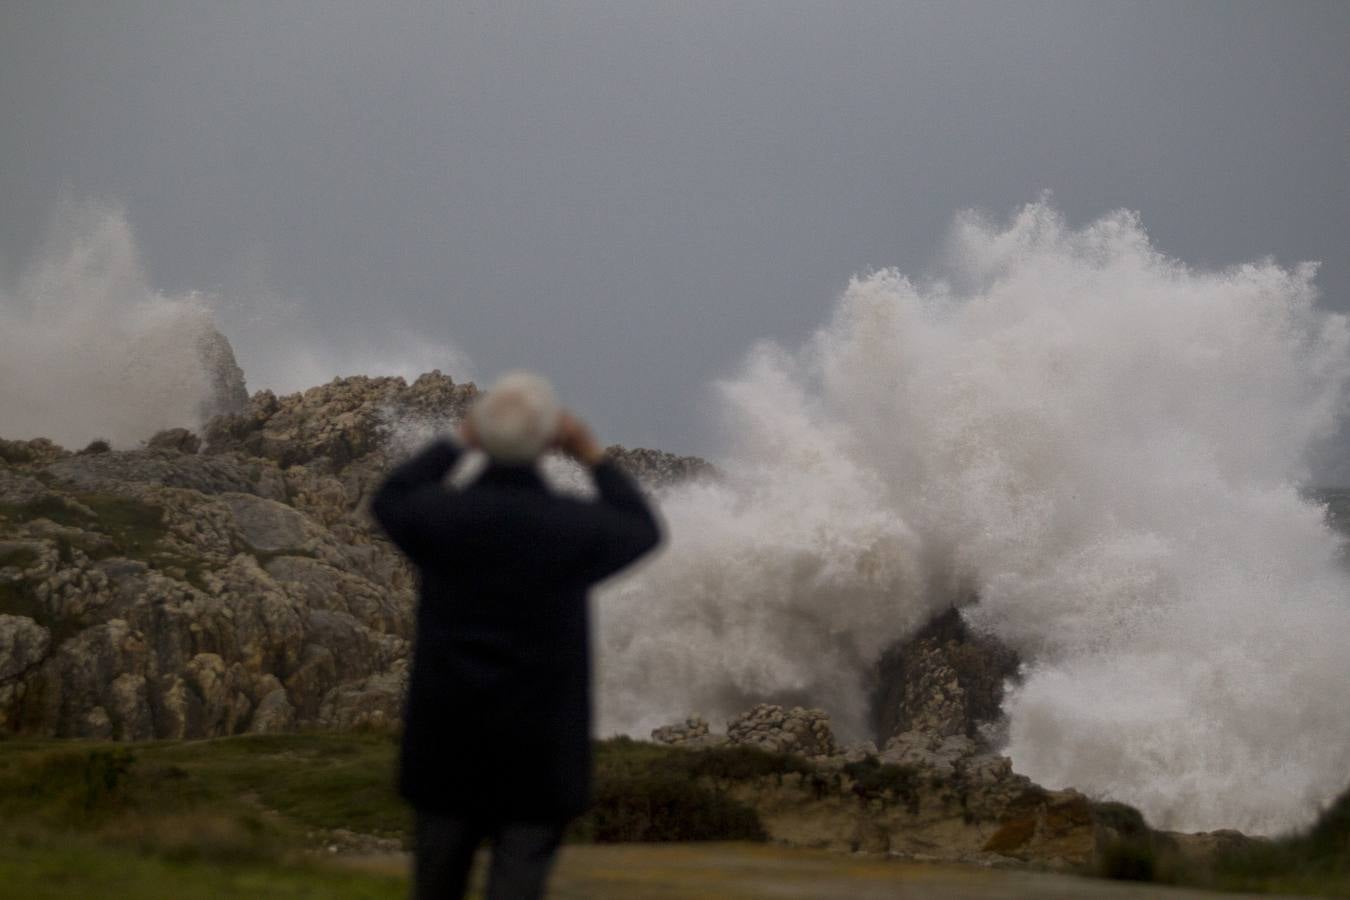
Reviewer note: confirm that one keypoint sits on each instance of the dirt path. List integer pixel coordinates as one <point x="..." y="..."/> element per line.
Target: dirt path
<point x="736" y="871"/>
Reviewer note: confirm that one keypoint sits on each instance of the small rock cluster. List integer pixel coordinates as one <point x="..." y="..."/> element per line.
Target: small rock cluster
<point x="692" y="732"/>
<point x="805" y="732"/>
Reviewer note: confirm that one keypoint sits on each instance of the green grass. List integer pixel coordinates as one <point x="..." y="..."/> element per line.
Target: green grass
<point x="240" y="816"/>
<point x="130" y="527"/>
<point x="221" y="818"/>
<point x="280" y="789"/>
<point x="293" y="784"/>
<point x="1314" y="861"/>
<point x="44" y="867"/>
<point x="235" y="816"/>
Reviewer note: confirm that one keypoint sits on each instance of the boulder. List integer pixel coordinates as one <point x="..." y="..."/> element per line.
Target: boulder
<point x="23" y="644"/>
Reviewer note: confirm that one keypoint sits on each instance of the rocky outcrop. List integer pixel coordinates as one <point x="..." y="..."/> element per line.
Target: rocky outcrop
<point x="225" y="380"/>
<point x="177" y="439"/>
<point x="338" y="423"/>
<point x="943" y="681"/>
<point x="936" y="789"/>
<point x="805" y="732"/>
<point x="923" y="796"/>
<point x="656" y="468"/>
<point x="189" y="590"/>
<point x="692" y="732"/>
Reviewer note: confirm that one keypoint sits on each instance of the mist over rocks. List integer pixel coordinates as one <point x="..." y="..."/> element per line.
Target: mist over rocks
<point x="196" y="587"/>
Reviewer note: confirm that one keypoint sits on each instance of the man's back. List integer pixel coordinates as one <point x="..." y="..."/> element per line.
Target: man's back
<point x="498" y="714"/>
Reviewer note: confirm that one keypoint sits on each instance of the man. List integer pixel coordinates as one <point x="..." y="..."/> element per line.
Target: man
<point x="496" y="740"/>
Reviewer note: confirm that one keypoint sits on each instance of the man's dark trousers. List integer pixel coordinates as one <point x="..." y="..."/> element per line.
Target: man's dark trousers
<point x="445" y="845"/>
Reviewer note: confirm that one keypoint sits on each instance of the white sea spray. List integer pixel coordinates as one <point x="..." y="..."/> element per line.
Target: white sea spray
<point x="1100" y="442"/>
<point x="88" y="349"/>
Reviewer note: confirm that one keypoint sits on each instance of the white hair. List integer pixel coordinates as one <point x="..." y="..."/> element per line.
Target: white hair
<point x="517" y="419"/>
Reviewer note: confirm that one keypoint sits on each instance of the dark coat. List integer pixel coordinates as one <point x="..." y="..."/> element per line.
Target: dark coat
<point x="498" y="715"/>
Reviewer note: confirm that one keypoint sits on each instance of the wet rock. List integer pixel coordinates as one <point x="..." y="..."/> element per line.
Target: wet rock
<point x="945" y="680"/>
<point x="225" y="379"/>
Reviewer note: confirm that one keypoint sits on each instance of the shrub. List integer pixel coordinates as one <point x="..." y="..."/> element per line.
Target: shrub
<point x="873" y="780"/>
<point x="665" y="806"/>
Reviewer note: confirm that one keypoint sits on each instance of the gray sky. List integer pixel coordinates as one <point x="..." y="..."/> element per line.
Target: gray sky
<point x="626" y="195"/>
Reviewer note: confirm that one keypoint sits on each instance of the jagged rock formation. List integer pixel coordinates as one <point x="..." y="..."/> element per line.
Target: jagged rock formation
<point x="168" y="593"/>
<point x="943" y="681"/>
<point x="225" y="379"/>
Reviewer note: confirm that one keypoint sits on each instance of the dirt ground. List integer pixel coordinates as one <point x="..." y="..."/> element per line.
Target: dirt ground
<point x="734" y="871"/>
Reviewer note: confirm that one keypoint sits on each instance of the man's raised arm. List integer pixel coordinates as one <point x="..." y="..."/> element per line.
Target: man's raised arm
<point x="406" y="503"/>
<point x="623" y="525"/>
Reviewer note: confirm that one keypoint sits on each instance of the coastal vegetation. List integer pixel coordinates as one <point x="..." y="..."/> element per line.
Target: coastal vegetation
<point x="267" y="813"/>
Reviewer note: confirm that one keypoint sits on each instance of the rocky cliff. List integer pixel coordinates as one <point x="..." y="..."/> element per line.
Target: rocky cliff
<point x="193" y="588"/>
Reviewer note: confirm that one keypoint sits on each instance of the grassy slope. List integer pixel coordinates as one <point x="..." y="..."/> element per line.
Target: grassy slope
<point x="242" y="816"/>
<point x="79" y="867"/>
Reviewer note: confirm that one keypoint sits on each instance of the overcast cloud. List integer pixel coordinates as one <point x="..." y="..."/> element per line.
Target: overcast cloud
<point x="626" y="196"/>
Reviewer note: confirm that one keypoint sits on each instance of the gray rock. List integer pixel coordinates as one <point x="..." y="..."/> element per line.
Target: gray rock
<point x="228" y="391"/>
<point x="17" y="487"/>
<point x="274" y="713"/>
<point x="23" y="644"/>
<point x="200" y="594"/>
<point x="797" y="730"/>
<point x="372" y="702"/>
<point x="96" y="725"/>
<point x="267" y="525"/>
<point x="178" y="440"/>
<point x="691" y="730"/>
<point x="130" y="708"/>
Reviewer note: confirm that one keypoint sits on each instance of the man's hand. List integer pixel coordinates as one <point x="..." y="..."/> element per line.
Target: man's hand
<point x="575" y="440"/>
<point x="468" y="434"/>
